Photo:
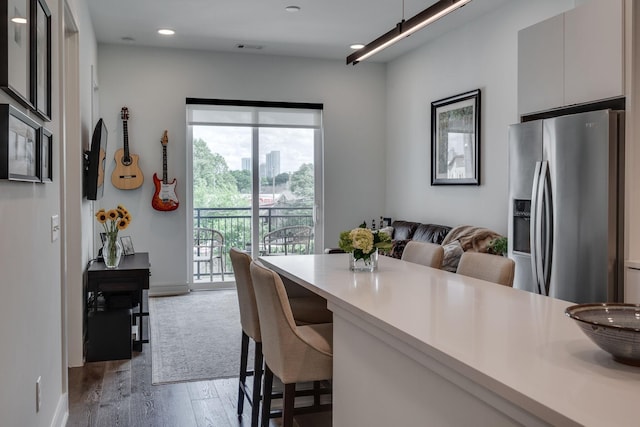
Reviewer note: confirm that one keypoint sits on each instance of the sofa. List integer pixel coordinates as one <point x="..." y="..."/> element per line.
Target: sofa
<point x="454" y="240"/>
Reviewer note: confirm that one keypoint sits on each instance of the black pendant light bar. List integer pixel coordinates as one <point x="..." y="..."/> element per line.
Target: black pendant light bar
<point x="406" y="28"/>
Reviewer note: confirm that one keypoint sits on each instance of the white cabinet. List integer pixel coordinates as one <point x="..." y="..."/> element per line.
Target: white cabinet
<point x="593" y="52"/>
<point x="541" y="65"/>
<point x="572" y="58"/>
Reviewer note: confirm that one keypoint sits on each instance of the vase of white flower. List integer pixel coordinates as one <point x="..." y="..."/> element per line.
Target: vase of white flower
<point x="369" y="263"/>
<point x="362" y="246"/>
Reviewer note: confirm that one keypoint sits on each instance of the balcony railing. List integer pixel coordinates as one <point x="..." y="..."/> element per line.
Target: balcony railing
<point x="235" y="226"/>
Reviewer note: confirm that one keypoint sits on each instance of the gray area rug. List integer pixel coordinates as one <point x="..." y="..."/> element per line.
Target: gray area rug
<point x="195" y="337"/>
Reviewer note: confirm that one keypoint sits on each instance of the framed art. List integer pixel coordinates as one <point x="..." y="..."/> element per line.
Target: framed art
<point x="455" y="140"/>
<point x="15" y="50"/>
<point x="103" y="238"/>
<point x="41" y="59"/>
<point x="127" y="245"/>
<point x="19" y="146"/>
<point x="46" y="155"/>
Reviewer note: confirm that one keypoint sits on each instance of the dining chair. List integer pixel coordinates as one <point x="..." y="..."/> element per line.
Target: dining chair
<point x="293" y="353"/>
<point x="492" y="268"/>
<point x="429" y="254"/>
<point x="309" y="309"/>
<point x="208" y="244"/>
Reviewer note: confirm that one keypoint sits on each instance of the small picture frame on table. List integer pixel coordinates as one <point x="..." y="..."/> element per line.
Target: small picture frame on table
<point x="455" y="140"/>
<point x="103" y="238"/>
<point x="127" y="245"/>
<point x="20" y="149"/>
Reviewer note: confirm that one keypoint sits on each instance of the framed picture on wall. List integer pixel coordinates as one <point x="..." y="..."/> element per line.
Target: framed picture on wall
<point x="46" y="155"/>
<point x="455" y="140"/>
<point x="15" y="50"/>
<point x="41" y="59"/>
<point x="19" y="146"/>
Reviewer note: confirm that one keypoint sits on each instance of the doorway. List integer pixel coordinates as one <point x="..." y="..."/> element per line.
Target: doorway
<point x="256" y="173"/>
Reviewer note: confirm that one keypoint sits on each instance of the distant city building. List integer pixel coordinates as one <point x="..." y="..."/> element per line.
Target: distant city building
<point x="273" y="164"/>
<point x="246" y="164"/>
<point x="263" y="170"/>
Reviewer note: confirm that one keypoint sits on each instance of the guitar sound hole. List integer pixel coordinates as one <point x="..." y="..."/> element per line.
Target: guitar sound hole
<point x="126" y="161"/>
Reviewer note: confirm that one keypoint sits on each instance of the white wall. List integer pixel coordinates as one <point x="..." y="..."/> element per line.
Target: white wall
<point x="33" y="267"/>
<point x="77" y="210"/>
<point x="153" y="83"/>
<point x="481" y="55"/>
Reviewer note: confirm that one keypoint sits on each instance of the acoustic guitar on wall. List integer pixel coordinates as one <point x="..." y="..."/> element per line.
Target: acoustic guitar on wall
<point x="127" y="175"/>
<point x="164" y="198"/>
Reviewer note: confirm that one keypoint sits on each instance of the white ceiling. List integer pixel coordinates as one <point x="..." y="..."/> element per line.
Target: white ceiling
<point x="321" y="29"/>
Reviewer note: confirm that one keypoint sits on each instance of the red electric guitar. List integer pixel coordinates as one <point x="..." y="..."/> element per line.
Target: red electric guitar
<point x="164" y="198"/>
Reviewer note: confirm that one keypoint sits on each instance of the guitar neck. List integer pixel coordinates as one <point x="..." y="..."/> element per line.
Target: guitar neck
<point x="125" y="133"/>
<point x="164" y="164"/>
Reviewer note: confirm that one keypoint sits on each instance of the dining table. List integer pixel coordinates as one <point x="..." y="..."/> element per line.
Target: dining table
<point x="418" y="346"/>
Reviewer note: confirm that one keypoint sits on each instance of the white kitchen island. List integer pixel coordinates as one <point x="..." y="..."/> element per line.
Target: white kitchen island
<point x="416" y="346"/>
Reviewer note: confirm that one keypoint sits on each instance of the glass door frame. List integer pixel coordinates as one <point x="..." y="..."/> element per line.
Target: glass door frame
<point x="318" y="207"/>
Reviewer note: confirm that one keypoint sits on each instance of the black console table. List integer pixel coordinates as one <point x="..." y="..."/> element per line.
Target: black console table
<point x="111" y="291"/>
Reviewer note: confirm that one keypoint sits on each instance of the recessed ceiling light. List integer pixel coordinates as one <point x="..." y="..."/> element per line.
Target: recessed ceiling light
<point x="166" y="31"/>
<point x="356" y="46"/>
<point x="19" y="20"/>
<point x="292" y="8"/>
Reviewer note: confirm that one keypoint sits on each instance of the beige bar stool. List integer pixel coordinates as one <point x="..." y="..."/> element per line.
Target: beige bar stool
<point x="307" y="309"/>
<point x="293" y="353"/>
<point x="429" y="254"/>
<point x="492" y="268"/>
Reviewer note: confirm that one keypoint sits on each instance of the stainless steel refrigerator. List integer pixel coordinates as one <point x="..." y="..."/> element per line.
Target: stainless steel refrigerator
<point x="566" y="206"/>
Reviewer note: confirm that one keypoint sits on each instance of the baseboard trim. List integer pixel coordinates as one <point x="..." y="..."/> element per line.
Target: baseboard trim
<point x="61" y="415"/>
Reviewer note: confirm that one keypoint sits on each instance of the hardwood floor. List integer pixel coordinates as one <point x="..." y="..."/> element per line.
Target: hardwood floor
<point x="120" y="393"/>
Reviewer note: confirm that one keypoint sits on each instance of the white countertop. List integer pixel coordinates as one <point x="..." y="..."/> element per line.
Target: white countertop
<point x="517" y="344"/>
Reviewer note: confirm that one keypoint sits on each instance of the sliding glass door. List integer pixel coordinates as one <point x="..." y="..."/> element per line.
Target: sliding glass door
<point x="256" y="179"/>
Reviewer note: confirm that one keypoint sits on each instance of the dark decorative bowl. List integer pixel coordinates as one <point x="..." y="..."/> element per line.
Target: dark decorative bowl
<point x="615" y="328"/>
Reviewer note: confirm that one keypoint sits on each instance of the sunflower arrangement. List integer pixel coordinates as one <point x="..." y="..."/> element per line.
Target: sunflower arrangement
<point x="113" y="221"/>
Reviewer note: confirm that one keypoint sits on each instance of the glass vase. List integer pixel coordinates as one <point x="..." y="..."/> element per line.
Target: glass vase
<point x="364" y="264"/>
<point x="111" y="251"/>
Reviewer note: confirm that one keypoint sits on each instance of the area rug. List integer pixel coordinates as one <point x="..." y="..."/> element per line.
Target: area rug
<point x="195" y="337"/>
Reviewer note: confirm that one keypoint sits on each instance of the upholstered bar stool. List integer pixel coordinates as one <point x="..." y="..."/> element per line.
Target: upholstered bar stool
<point x="429" y="254"/>
<point x="492" y="268"/>
<point x="309" y="309"/>
<point x="292" y="353"/>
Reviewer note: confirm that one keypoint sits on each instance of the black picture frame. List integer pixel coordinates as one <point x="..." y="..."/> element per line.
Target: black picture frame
<point x="41" y="59"/>
<point x="19" y="146"/>
<point x="127" y="245"/>
<point x="46" y="155"/>
<point x="455" y="140"/>
<point x="15" y="50"/>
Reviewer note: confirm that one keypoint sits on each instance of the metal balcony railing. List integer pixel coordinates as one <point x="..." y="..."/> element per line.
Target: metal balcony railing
<point x="235" y="226"/>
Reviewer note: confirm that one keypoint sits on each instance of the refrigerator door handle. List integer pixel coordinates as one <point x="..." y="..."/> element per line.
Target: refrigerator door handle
<point x="548" y="226"/>
<point x="535" y="226"/>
